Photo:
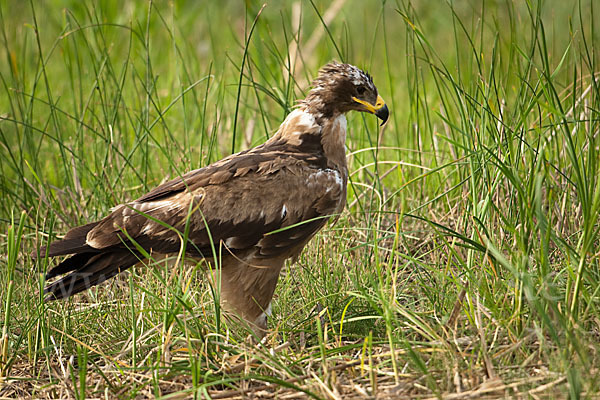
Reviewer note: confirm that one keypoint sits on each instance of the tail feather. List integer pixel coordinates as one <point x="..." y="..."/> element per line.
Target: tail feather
<point x="70" y="264"/>
<point x="65" y="247"/>
<point x="88" y="269"/>
<point x="73" y="242"/>
<point x="80" y="231"/>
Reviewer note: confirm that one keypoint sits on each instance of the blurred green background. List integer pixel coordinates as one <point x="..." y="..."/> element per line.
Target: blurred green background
<point x="110" y="69"/>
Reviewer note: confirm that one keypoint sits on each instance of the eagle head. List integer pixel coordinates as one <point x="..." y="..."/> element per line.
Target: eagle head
<point x="340" y="88"/>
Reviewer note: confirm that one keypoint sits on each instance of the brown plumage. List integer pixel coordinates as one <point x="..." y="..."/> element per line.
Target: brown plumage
<point x="239" y="206"/>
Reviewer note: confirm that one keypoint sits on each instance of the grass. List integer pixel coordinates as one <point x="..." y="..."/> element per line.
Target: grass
<point x="466" y="262"/>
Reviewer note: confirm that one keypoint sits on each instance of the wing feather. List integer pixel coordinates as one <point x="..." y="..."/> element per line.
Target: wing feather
<point x="239" y="210"/>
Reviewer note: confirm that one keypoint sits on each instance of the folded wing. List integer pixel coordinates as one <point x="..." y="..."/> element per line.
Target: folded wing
<point x="251" y="205"/>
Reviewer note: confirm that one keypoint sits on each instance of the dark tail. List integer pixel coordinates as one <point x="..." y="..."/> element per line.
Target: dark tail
<point x="73" y="242"/>
<point x="87" y="266"/>
<point x="87" y="270"/>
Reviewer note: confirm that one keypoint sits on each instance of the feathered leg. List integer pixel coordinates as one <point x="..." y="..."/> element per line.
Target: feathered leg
<point x="247" y="290"/>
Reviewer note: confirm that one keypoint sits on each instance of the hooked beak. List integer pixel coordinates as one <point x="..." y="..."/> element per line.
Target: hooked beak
<point x="380" y="109"/>
<point x="383" y="113"/>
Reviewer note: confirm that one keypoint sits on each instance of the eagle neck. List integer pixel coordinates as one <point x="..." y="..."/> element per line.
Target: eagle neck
<point x="302" y="129"/>
<point x="333" y="140"/>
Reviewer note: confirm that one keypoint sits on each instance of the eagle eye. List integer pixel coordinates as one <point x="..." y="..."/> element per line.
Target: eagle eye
<point x="361" y="90"/>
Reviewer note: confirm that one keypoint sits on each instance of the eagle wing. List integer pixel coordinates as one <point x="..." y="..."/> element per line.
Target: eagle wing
<point x="267" y="202"/>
